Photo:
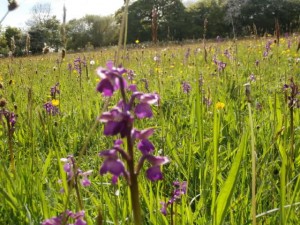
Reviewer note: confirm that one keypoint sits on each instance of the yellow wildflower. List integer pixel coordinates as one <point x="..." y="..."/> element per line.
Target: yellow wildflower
<point x="137" y="41"/>
<point x="220" y="105"/>
<point x="55" y="102"/>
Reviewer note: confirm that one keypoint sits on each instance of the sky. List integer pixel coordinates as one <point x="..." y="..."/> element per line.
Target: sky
<point x="75" y="9"/>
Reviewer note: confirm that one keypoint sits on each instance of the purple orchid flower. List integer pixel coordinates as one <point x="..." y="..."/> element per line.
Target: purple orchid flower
<point x="186" y="87"/>
<point x="64" y="217"/>
<point x="119" y="121"/>
<point x="180" y="189"/>
<point x="221" y="65"/>
<point x="112" y="164"/>
<point x="69" y="165"/>
<point x="111" y="78"/>
<point x="54" y="90"/>
<point x="51" y="109"/>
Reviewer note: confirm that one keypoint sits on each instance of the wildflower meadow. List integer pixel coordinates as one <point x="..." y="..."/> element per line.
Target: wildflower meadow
<point x="162" y="138"/>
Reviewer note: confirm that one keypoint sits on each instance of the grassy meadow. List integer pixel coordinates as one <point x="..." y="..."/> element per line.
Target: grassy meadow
<point x="227" y="119"/>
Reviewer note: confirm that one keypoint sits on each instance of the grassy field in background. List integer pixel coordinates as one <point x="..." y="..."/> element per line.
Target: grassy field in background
<point x="211" y="133"/>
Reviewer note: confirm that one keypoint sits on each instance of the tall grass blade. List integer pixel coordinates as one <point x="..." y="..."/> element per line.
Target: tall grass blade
<point x="227" y="190"/>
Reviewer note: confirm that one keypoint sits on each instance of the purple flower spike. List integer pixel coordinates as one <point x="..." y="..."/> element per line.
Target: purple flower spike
<point x="51" y="109"/>
<point x="163" y="209"/>
<point x="186" y="87"/>
<point x="181" y="189"/>
<point x="143" y="110"/>
<point x="120" y="121"/>
<point x="145" y="146"/>
<point x="154" y="173"/>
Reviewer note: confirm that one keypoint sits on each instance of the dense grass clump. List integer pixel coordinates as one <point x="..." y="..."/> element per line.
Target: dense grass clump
<point x="230" y="127"/>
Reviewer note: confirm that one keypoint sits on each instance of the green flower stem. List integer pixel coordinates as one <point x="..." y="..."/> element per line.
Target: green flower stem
<point x="133" y="182"/>
<point x="10" y="146"/>
<point x="253" y="159"/>
<point x="134" y="188"/>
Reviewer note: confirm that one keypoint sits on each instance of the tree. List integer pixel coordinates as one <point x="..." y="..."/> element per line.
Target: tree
<point x="3" y="45"/>
<point x="171" y="18"/>
<point x="15" y="34"/>
<point x="232" y="14"/>
<point x="46" y="33"/>
<point x="77" y="34"/>
<point x="209" y="11"/>
<point x="91" y="29"/>
<point x="264" y="13"/>
<point x="41" y="12"/>
<point x="43" y="28"/>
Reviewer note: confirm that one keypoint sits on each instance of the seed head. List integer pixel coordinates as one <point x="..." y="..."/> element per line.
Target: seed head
<point x="3" y="102"/>
<point x="12" y="5"/>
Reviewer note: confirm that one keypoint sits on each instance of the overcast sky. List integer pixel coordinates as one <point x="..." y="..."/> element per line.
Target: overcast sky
<point x="75" y="9"/>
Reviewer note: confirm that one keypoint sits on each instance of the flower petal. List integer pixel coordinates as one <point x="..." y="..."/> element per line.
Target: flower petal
<point x="143" y="134"/>
<point x="115" y="167"/>
<point x="105" y="87"/>
<point x="143" y="110"/>
<point x="145" y="146"/>
<point x="157" y="160"/>
<point x="149" y="98"/>
<point x="154" y="173"/>
<point x="112" y="128"/>
<point x="85" y="182"/>
<point x="132" y="87"/>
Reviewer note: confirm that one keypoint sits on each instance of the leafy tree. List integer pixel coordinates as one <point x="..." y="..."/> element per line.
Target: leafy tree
<point x="77" y="34"/>
<point x="40" y="13"/>
<point x="12" y="32"/>
<point x="3" y="45"/>
<point x="232" y="14"/>
<point x="171" y="19"/>
<point x="103" y="29"/>
<point x="264" y="13"/>
<point x="43" y="28"/>
<point x="209" y="11"/>
<point x="91" y="29"/>
<point x="16" y="34"/>
<point x="46" y="33"/>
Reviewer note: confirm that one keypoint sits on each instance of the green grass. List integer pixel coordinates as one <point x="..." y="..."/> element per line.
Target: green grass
<point x="209" y="148"/>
